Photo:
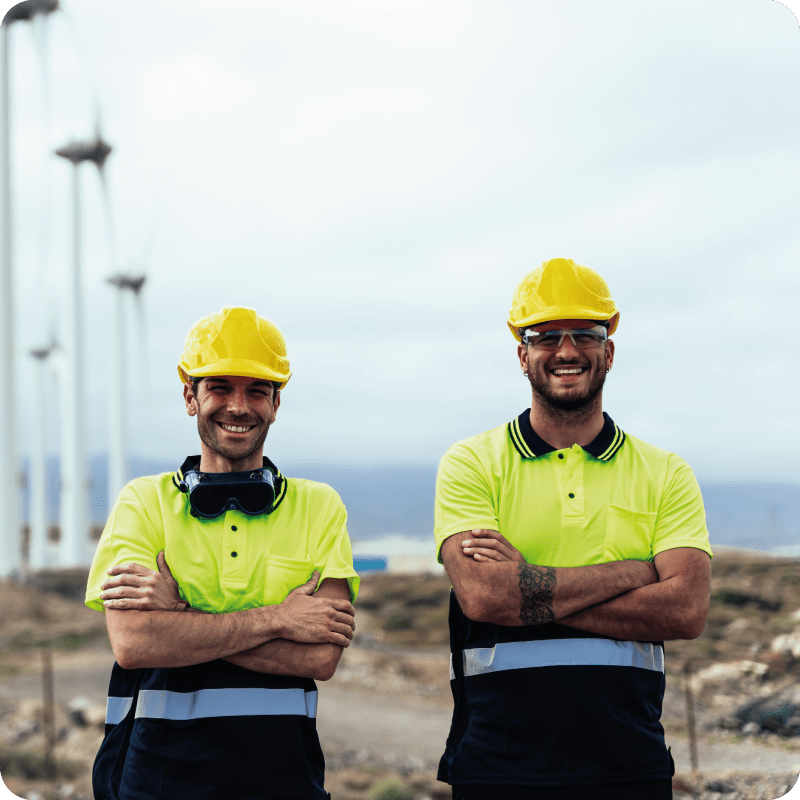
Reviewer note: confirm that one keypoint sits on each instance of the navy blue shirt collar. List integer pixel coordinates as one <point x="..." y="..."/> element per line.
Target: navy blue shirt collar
<point x="529" y="444"/>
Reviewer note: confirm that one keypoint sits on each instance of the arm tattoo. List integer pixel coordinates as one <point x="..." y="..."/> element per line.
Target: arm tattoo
<point x="536" y="586"/>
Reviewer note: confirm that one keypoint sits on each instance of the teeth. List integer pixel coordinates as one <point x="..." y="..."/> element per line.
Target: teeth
<point x="235" y="428"/>
<point x="575" y="371"/>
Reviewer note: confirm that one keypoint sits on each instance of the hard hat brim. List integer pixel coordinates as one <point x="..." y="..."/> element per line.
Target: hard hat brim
<point x="235" y="367"/>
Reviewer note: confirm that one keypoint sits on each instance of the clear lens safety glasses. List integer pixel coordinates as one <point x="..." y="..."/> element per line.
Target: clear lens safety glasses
<point x="581" y="338"/>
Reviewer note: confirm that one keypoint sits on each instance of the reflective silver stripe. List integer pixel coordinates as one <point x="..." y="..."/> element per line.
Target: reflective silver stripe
<point x="563" y="652"/>
<point x="155" y="704"/>
<point x="452" y="671"/>
<point x="117" y="709"/>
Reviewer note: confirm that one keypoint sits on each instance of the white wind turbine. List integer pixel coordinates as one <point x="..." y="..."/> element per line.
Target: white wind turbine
<point x="117" y="461"/>
<point x="74" y="528"/>
<point x="10" y="550"/>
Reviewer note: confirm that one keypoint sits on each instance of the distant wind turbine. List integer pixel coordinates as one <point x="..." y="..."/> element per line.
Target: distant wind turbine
<point x="73" y="457"/>
<point x="117" y="462"/>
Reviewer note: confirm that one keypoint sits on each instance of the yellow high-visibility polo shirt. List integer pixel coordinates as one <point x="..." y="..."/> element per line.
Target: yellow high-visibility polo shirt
<point x="617" y="498"/>
<point x="552" y="705"/>
<point x="234" y="561"/>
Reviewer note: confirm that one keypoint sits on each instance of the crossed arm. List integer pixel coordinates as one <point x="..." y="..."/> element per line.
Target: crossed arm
<point x="302" y="636"/>
<point x="633" y="600"/>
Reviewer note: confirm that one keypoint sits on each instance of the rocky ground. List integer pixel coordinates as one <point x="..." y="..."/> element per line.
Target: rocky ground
<point x="384" y="716"/>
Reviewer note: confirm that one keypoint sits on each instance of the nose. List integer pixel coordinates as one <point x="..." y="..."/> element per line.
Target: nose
<point x="237" y="401"/>
<point x="567" y="349"/>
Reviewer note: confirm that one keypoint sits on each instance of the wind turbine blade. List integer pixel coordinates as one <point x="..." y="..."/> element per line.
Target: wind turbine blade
<point x="111" y="230"/>
<point x="141" y="336"/>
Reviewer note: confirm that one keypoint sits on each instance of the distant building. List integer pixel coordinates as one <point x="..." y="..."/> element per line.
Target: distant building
<point x="395" y="552"/>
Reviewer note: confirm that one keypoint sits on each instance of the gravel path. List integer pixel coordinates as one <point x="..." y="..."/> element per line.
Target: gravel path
<point x="363" y="724"/>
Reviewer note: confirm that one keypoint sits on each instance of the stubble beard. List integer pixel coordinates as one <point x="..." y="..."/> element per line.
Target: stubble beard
<point x="574" y="408"/>
<point x="209" y="434"/>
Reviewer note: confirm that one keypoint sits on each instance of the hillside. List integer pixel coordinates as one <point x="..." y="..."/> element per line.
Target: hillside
<point x="399" y="659"/>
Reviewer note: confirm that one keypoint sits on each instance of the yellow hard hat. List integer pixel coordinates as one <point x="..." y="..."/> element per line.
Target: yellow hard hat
<point x="561" y="289"/>
<point x="235" y="341"/>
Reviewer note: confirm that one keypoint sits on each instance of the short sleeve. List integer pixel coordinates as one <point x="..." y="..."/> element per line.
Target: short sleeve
<point x="464" y="498"/>
<point x="334" y="554"/>
<point x="130" y="535"/>
<point x="681" y="519"/>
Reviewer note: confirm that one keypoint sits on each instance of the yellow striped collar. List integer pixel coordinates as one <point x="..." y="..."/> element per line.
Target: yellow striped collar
<point x="529" y="444"/>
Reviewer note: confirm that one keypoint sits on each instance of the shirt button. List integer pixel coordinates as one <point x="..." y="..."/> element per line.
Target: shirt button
<point x="234" y="528"/>
<point x="571" y="496"/>
<point x="561" y="455"/>
<point x="234" y="554"/>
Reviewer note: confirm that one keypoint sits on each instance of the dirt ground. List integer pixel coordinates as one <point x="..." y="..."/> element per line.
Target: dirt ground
<point x="383" y="718"/>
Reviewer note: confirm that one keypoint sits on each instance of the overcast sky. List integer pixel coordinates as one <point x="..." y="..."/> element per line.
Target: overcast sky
<point x="377" y="177"/>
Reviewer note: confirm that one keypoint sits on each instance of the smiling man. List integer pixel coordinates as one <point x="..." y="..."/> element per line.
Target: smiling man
<point x="575" y="550"/>
<point x="221" y="703"/>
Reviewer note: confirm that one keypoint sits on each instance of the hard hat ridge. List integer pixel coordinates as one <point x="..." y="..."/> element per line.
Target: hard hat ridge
<point x="561" y="289"/>
<point x="235" y="341"/>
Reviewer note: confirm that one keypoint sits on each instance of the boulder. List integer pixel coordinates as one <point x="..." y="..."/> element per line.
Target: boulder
<point x="779" y="712"/>
<point x="721" y="674"/>
<point x="787" y="642"/>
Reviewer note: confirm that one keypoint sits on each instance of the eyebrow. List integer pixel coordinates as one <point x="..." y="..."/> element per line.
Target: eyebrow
<point x="257" y="383"/>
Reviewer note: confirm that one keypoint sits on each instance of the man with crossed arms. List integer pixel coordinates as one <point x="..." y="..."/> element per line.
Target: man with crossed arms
<point x="575" y="550"/>
<point x="221" y="705"/>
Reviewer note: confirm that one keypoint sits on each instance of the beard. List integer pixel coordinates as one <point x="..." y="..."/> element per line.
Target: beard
<point x="211" y="436"/>
<point x="572" y="405"/>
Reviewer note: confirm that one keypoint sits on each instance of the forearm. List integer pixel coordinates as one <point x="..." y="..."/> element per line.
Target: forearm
<point x="516" y="593"/>
<point x="662" y="611"/>
<point x="169" y="639"/>
<point x="284" y="657"/>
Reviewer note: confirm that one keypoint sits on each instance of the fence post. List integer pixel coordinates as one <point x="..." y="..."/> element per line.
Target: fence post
<point x="690" y="721"/>
<point x="48" y="714"/>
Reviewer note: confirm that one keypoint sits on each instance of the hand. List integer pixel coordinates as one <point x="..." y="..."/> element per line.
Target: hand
<point x="132" y="586"/>
<point x="490" y="546"/>
<point x="316" y="620"/>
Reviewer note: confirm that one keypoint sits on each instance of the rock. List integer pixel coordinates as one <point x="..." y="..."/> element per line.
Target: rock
<point x="787" y="641"/>
<point x="751" y="728"/>
<point x="82" y="714"/>
<point x="773" y="712"/>
<point x="729" y="723"/>
<point x="76" y="711"/>
<point x="731" y="672"/>
<point x="719" y="786"/>
<point x="739" y="624"/>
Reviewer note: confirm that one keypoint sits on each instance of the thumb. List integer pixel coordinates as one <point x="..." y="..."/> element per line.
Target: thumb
<point x="311" y="584"/>
<point x="161" y="560"/>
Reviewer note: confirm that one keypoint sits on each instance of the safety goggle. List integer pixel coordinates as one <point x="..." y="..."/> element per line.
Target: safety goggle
<point x="213" y="493"/>
<point x="581" y="338"/>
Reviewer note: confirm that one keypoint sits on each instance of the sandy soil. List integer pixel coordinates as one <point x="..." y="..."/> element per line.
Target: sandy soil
<point x="376" y="710"/>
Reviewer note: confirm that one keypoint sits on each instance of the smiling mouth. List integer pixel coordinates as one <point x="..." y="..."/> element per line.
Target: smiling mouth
<point x="568" y="370"/>
<point x="235" y="428"/>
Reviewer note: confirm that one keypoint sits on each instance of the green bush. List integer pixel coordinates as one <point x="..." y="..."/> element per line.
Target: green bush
<point x="389" y="789"/>
<point x="398" y="622"/>
<point x="32" y="765"/>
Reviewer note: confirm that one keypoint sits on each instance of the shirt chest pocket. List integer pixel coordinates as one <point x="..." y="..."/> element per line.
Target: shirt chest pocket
<point x="629" y="534"/>
<point x="283" y="575"/>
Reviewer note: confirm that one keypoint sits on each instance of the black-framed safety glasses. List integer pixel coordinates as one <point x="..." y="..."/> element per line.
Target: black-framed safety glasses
<point x="213" y="493"/>
<point x="581" y="338"/>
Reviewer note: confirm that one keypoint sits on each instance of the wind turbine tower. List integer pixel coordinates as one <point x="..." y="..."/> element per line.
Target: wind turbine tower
<point x="117" y="465"/>
<point x="74" y="527"/>
<point x="10" y="550"/>
<point x="37" y="554"/>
